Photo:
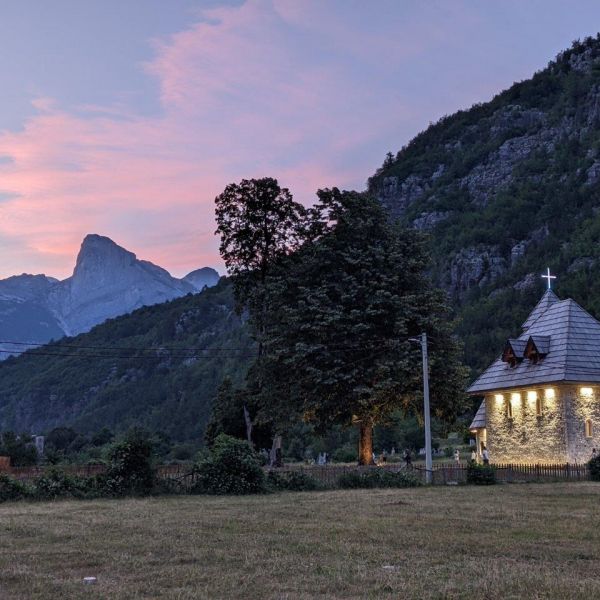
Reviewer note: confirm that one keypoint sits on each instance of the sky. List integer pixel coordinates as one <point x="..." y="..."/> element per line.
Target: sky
<point x="127" y="117"/>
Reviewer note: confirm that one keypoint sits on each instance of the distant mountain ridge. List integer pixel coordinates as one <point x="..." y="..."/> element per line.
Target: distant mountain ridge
<point x="108" y="281"/>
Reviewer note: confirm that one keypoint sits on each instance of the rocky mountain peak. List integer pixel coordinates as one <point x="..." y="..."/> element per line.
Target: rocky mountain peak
<point x="201" y="278"/>
<point x="100" y="253"/>
<point x="25" y="286"/>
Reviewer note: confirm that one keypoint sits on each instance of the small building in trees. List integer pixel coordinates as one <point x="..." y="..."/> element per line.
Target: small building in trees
<point x="542" y="395"/>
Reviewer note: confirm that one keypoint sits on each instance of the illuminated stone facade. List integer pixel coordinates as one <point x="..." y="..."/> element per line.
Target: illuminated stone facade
<point x="579" y="408"/>
<point x="545" y="427"/>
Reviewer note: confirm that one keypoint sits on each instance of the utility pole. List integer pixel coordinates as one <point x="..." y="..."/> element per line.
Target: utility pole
<point x="428" y="458"/>
<point x="426" y="410"/>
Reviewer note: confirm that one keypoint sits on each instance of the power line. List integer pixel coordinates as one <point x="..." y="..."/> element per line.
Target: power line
<point x="114" y="352"/>
<point x="196" y="356"/>
<point x="39" y="353"/>
<point x="59" y="345"/>
<point x="125" y="348"/>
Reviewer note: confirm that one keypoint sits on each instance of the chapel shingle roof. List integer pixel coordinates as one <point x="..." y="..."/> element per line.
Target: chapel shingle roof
<point x="479" y="419"/>
<point x="573" y="349"/>
<point x="547" y="300"/>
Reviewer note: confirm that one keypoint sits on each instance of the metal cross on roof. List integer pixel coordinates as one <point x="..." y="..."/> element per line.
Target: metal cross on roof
<point x="549" y="278"/>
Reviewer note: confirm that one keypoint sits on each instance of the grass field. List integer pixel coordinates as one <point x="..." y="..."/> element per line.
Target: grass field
<point x="511" y="541"/>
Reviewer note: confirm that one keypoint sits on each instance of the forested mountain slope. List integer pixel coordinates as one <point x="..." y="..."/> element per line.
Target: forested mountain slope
<point x="506" y="189"/>
<point x="158" y="367"/>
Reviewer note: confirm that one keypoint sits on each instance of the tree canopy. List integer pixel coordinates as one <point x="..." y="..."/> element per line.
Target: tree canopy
<point x="258" y="222"/>
<point x="341" y="312"/>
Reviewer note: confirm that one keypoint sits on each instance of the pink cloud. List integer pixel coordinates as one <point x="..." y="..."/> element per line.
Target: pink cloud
<point x="243" y="94"/>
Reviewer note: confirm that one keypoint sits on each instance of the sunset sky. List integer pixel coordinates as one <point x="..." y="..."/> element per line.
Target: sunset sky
<point x="126" y="117"/>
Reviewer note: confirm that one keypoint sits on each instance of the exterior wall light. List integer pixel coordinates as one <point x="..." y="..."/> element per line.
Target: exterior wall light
<point x="532" y="396"/>
<point x="586" y="392"/>
<point x="549" y="394"/>
<point x="499" y="398"/>
<point x="516" y="397"/>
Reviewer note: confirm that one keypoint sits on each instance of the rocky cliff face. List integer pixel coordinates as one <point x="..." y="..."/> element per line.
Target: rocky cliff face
<point x="107" y="281"/>
<point x="24" y="314"/>
<point x="488" y="183"/>
<point x="202" y="278"/>
<point x="22" y="288"/>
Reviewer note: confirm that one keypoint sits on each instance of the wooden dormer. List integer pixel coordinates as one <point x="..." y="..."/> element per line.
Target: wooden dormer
<point x="513" y="352"/>
<point x="537" y="347"/>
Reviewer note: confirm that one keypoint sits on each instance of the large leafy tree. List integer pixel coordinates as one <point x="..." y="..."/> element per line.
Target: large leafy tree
<point x="342" y="311"/>
<point x="259" y="223"/>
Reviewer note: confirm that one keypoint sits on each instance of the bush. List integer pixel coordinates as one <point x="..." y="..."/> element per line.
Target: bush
<point x="183" y="452"/>
<point x="481" y="474"/>
<point x="130" y="468"/>
<point x="378" y="478"/>
<point x="231" y="468"/>
<point x="292" y="481"/>
<point x="594" y="466"/>
<point x="19" y="448"/>
<point x="345" y="454"/>
<point x="57" y="484"/>
<point x="12" y="489"/>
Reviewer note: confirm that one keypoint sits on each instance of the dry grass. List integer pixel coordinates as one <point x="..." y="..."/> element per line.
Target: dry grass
<point x="520" y="541"/>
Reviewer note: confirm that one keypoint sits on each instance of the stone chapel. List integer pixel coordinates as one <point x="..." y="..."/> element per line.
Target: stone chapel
<point x="542" y="395"/>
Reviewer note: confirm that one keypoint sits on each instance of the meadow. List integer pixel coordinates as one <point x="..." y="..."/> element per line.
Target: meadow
<point x="506" y="541"/>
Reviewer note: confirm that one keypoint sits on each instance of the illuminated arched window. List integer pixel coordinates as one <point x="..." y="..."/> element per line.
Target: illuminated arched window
<point x="589" y="430"/>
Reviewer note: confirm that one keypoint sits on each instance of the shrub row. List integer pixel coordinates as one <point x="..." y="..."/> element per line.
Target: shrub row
<point x="49" y="486"/>
<point x="292" y="481"/>
<point x="481" y="474"/>
<point x="129" y="472"/>
<point x="594" y="466"/>
<point x="231" y="467"/>
<point x="378" y="478"/>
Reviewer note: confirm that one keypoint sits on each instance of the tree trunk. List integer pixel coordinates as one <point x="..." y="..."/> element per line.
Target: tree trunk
<point x="365" y="443"/>
<point x="248" y="421"/>
<point x="276" y="457"/>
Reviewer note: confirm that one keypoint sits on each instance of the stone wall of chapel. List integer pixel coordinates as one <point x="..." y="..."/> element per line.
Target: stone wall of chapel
<point x="526" y="438"/>
<point x="580" y="407"/>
